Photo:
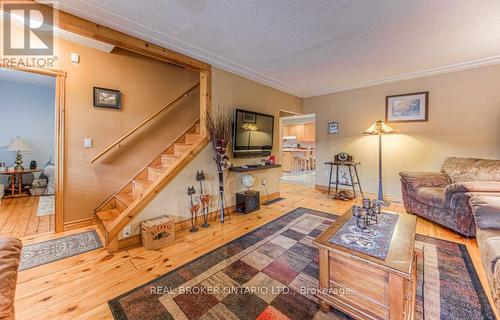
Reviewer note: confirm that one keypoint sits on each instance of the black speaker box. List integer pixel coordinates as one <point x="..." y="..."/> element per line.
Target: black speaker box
<point x="248" y="201"/>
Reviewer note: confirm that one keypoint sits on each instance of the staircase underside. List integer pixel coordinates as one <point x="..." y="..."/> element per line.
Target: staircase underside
<point x="127" y="203"/>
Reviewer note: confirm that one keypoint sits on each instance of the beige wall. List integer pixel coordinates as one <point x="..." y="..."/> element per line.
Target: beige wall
<point x="228" y="91"/>
<point x="146" y="86"/>
<point x="464" y="120"/>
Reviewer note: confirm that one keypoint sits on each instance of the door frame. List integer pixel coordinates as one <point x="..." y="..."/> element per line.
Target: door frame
<point x="280" y="131"/>
<point x="59" y="149"/>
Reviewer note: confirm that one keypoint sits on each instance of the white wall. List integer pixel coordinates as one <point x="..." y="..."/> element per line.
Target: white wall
<point x="27" y="111"/>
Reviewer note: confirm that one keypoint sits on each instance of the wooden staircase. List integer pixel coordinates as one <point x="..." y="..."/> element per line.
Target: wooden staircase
<point x="119" y="209"/>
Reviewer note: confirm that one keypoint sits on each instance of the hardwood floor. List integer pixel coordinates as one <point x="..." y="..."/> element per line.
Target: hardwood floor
<point x="79" y="287"/>
<point x="18" y="218"/>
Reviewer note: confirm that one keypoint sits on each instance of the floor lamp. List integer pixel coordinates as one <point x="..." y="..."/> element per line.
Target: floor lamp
<point x="379" y="128"/>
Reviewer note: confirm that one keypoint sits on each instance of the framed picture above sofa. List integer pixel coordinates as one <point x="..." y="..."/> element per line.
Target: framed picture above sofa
<point x="410" y="107"/>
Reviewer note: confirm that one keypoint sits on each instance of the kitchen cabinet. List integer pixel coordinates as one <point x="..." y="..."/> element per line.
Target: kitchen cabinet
<point x="309" y="132"/>
<point x="302" y="132"/>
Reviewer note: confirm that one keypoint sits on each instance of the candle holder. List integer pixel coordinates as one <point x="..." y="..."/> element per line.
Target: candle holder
<point x="367" y="214"/>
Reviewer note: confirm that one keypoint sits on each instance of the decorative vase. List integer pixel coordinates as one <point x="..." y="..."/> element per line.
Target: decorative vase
<point x="218" y="127"/>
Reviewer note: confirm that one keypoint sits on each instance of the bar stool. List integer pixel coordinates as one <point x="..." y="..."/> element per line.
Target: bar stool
<point x="299" y="162"/>
<point x="310" y="160"/>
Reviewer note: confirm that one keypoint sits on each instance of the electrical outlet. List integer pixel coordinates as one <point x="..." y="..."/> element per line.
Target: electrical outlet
<point x="263" y="181"/>
<point x="126" y="232"/>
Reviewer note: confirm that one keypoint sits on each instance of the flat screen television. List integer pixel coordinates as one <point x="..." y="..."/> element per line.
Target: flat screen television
<point x="252" y="134"/>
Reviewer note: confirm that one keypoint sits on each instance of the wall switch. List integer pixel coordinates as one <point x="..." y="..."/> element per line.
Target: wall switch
<point x="87" y="142"/>
<point x="126" y="232"/>
<point x="263" y="181"/>
<point x="75" y="58"/>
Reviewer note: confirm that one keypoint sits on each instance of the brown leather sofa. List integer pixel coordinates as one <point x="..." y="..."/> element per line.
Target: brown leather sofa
<point x="443" y="197"/>
<point x="486" y="210"/>
<point x="10" y="253"/>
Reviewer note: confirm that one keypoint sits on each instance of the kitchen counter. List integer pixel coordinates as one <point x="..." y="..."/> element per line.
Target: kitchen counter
<point x="288" y="157"/>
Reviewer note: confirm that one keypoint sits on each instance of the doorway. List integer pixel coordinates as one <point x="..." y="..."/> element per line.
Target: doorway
<point x="30" y="152"/>
<point x="298" y="148"/>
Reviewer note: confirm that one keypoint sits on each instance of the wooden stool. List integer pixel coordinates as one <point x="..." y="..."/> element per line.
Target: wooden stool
<point x="299" y="162"/>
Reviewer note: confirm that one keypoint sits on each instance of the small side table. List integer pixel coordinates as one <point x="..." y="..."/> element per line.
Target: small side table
<point x="19" y="174"/>
<point x="352" y="167"/>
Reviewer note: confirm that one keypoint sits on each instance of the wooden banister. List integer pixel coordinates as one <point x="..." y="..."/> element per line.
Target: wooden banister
<point x="154" y="115"/>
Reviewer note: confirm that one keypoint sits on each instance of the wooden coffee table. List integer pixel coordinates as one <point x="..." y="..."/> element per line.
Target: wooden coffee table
<point x="367" y="287"/>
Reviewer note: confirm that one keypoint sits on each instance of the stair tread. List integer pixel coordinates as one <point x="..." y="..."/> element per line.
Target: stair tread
<point x="126" y="198"/>
<point x="160" y="168"/>
<point x="168" y="155"/>
<point x="106" y="217"/>
<point x="144" y="182"/>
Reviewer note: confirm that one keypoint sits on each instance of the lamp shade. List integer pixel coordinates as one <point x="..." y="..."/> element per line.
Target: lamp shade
<point x="19" y="144"/>
<point x="379" y="127"/>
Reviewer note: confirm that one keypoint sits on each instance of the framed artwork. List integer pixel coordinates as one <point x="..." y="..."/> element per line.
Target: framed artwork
<point x="411" y="107"/>
<point x="107" y="98"/>
<point x="333" y="127"/>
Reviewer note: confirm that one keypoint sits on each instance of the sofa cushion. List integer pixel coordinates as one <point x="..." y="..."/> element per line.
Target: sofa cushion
<point x="486" y="210"/>
<point x="10" y="252"/>
<point x="496" y="286"/>
<point x="471" y="169"/>
<point x="432" y="196"/>
<point x="488" y="241"/>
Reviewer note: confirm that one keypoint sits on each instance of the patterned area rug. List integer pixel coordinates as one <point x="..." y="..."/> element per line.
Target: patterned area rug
<point x="46" y="205"/>
<point x="272" y="272"/>
<point x="40" y="253"/>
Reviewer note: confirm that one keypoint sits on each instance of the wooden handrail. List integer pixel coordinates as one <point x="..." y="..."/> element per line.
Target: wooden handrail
<point x="126" y="135"/>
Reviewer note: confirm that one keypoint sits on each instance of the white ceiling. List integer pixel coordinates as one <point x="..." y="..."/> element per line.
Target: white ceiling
<point x="27" y="78"/>
<point x="313" y="47"/>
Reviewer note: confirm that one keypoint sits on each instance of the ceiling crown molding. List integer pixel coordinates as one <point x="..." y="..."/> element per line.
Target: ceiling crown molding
<point x="409" y="76"/>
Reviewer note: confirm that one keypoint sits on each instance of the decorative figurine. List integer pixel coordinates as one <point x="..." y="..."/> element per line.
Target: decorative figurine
<point x="205" y="199"/>
<point x="195" y="207"/>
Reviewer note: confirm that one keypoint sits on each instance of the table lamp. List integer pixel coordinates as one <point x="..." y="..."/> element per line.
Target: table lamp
<point x="19" y="145"/>
<point x="379" y="128"/>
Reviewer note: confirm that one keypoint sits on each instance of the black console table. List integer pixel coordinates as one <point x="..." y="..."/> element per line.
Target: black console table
<point x="350" y="165"/>
<point x="254" y="167"/>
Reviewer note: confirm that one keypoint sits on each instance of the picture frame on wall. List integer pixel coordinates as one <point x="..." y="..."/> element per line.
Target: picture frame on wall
<point x="333" y="127"/>
<point x="410" y="107"/>
<point x="107" y="98"/>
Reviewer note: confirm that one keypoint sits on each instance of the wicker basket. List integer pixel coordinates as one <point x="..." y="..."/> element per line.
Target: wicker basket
<point x="157" y="232"/>
<point x="37" y="191"/>
<point x="38" y="187"/>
